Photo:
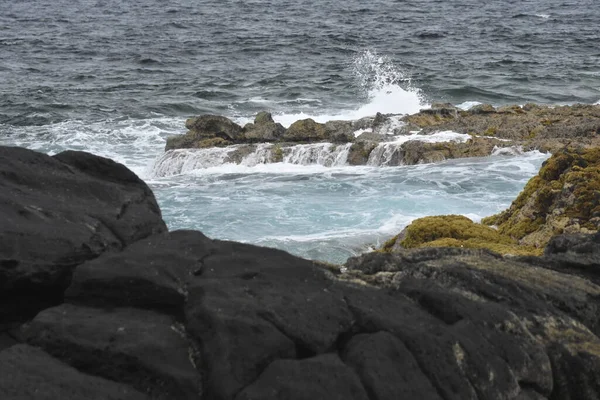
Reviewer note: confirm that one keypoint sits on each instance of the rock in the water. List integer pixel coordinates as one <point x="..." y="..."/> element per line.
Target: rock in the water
<point x="264" y="129"/>
<point x="263" y="117"/>
<point x="482" y="109"/>
<point x="535" y="127"/>
<point x="339" y="131"/>
<point x="207" y="131"/>
<point x="305" y="130"/>
<point x="214" y="126"/>
<point x="29" y="373"/>
<point x="359" y="152"/>
<point x="58" y="212"/>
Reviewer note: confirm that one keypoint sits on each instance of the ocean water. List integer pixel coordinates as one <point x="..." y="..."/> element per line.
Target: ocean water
<point x="117" y="77"/>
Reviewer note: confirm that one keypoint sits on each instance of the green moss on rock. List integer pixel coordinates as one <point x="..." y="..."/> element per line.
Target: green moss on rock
<point x="305" y="130"/>
<point x="456" y="231"/>
<point x="563" y="197"/>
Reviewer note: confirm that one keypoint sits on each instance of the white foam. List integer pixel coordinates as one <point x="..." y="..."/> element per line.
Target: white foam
<point x="507" y="151"/>
<point x="184" y="161"/>
<point x="544" y="16"/>
<point x="326" y="154"/>
<point x="132" y="142"/>
<point x="467" y="105"/>
<point x="361" y="131"/>
<point x="436" y="137"/>
<point x="389" y="153"/>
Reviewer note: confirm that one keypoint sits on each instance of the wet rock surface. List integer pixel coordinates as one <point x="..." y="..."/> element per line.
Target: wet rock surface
<point x="506" y="129"/>
<point x="178" y="315"/>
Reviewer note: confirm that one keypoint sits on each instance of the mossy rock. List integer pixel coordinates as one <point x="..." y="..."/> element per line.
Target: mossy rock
<point x="305" y="130"/>
<point x="276" y="154"/>
<point x="211" y="142"/>
<point x="359" y="152"/>
<point x="263" y="117"/>
<point x="563" y="197"/>
<point x="456" y="231"/>
<point x="179" y="142"/>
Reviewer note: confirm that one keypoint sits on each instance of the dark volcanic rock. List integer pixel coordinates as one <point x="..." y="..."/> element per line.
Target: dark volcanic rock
<point x="142" y="348"/>
<point x="58" y="212"/>
<point x="539" y="322"/>
<point x="152" y="273"/>
<point x="254" y="305"/>
<point x="180" y="316"/>
<point x="29" y="373"/>
<point x="323" y="377"/>
<point x="388" y="368"/>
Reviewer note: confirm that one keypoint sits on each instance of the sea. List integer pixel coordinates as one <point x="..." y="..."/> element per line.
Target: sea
<point x="116" y="78"/>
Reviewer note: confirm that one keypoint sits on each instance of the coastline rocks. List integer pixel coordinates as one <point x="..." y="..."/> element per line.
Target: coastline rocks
<point x="515" y="128"/>
<point x="206" y="131"/>
<point x="455" y="231"/>
<point x="177" y="315"/>
<point x="563" y="198"/>
<point x="542" y="323"/>
<point x="305" y="130"/>
<point x="27" y="372"/>
<point x="264" y="129"/>
<point x="58" y="212"/>
<point x="532" y="126"/>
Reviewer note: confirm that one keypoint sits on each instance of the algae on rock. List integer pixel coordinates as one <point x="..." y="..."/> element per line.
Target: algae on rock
<point x="455" y="231"/>
<point x="563" y="198"/>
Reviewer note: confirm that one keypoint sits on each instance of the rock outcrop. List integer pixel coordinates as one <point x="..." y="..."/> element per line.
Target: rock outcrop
<point x="57" y="212"/>
<point x="176" y="315"/>
<point x="563" y="198"/>
<point x="531" y="126"/>
<point x="490" y="130"/>
<point x="455" y="231"/>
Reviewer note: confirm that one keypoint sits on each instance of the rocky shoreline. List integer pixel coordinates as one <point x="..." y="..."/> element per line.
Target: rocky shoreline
<point x="432" y="135"/>
<point x="101" y="301"/>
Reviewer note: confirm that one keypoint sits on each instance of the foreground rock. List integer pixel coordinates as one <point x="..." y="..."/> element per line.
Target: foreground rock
<point x="57" y="212"/>
<point x="393" y="140"/>
<point x="178" y="315"/>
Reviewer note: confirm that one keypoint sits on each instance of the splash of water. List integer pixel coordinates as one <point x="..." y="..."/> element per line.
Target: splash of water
<point x="388" y="90"/>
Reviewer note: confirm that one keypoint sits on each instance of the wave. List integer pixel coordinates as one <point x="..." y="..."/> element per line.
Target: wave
<point x="388" y="89"/>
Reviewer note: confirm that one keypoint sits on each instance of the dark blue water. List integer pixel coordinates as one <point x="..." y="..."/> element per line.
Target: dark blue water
<point x="117" y="77"/>
<point x="64" y="59"/>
